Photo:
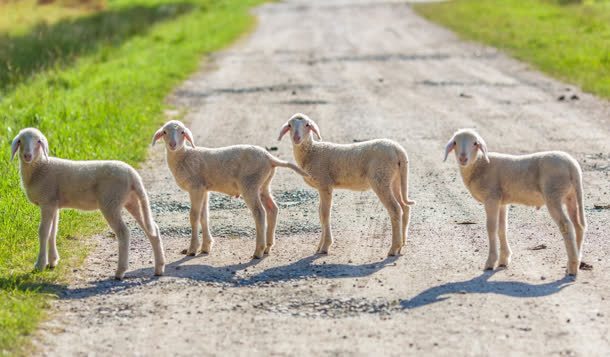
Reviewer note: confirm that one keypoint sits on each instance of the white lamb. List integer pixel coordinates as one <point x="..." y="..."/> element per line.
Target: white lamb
<point x="244" y="170"/>
<point x="54" y="183"/>
<point x="551" y="178"/>
<point x="380" y="165"/>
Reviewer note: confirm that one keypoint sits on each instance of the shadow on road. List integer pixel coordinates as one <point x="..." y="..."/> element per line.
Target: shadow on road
<point x="304" y="269"/>
<point x="236" y="275"/>
<point x="301" y="269"/>
<point x="482" y="285"/>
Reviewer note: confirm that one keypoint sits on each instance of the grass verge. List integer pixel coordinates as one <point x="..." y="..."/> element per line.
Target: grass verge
<point x="94" y="82"/>
<point x="567" y="39"/>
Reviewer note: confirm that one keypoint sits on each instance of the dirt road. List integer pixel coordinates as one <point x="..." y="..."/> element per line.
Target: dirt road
<point x="362" y="70"/>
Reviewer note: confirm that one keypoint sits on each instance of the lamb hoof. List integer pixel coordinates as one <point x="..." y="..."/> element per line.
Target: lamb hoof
<point x="119" y="277"/>
<point x="573" y="268"/>
<point x="324" y="248"/>
<point x="160" y="270"/>
<point x="207" y="245"/>
<point x="53" y="263"/>
<point x="504" y="262"/>
<point x="268" y="250"/>
<point x="394" y="252"/>
<point x="259" y="253"/>
<point x="189" y="252"/>
<point x="490" y="264"/>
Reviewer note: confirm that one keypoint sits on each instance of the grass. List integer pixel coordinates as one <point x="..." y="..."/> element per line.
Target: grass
<point x="20" y="16"/>
<point x="94" y="81"/>
<point x="567" y="39"/>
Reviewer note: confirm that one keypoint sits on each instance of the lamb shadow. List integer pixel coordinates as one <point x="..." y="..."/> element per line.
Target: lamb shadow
<point x="104" y="287"/>
<point x="305" y="269"/>
<point x="482" y="285"/>
<point x="301" y="269"/>
<point x="146" y="276"/>
<point x="206" y="273"/>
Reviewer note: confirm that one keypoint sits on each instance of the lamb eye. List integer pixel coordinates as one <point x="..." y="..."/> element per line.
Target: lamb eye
<point x="475" y="143"/>
<point x="307" y="125"/>
<point x="40" y="141"/>
<point x="164" y="132"/>
<point x="454" y="143"/>
<point x="183" y="132"/>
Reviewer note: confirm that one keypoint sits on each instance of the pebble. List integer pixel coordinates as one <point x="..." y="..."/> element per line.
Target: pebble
<point x="332" y="307"/>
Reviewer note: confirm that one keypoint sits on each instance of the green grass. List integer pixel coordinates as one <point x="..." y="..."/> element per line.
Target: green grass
<point x="567" y="39"/>
<point x="95" y="84"/>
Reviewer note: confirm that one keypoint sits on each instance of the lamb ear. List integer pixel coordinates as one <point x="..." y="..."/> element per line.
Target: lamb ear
<point x="157" y="135"/>
<point x="284" y="130"/>
<point x="15" y="146"/>
<point x="449" y="147"/>
<point x="314" y="127"/>
<point x="188" y="135"/>
<point x="483" y="147"/>
<point x="45" y="147"/>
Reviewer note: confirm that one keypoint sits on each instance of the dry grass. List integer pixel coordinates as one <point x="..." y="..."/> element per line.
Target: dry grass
<point x="19" y="16"/>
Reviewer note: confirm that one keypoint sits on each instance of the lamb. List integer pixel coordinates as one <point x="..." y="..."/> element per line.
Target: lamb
<point x="54" y="183"/>
<point x="244" y="170"/>
<point x="380" y="165"/>
<point x="551" y="178"/>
